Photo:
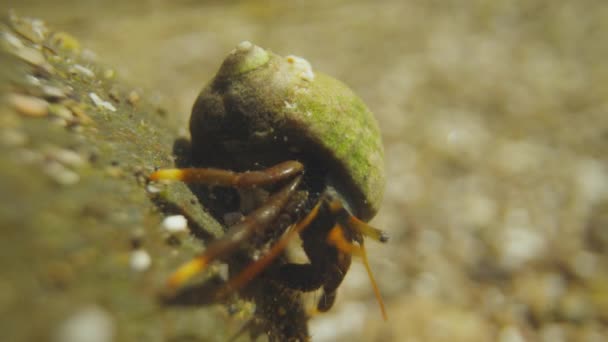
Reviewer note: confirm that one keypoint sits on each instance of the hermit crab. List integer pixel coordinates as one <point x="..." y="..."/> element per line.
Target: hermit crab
<point x="269" y="122"/>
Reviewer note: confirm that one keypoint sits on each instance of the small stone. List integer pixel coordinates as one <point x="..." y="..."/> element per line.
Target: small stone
<point x="175" y="223"/>
<point x="133" y="97"/>
<point x="61" y="174"/>
<point x="34" y="30"/>
<point x="140" y="260"/>
<point x="29" y="105"/>
<point x="553" y="333"/>
<point x="88" y="55"/>
<point x="79" y="69"/>
<point x="591" y="178"/>
<point x="109" y="74"/>
<point x="101" y="103"/>
<point x="61" y="111"/>
<point x="91" y="324"/>
<point x="66" y="42"/>
<point x="79" y="112"/>
<point x="151" y="189"/>
<point x="520" y="242"/>
<point x="68" y="157"/>
<point x="114" y="171"/>
<point x="13" y="137"/>
<point x="33" y="80"/>
<point x="12" y="40"/>
<point x="510" y="334"/>
<point x="575" y="306"/>
<point x="53" y="93"/>
<point x="30" y="55"/>
<point x="584" y="264"/>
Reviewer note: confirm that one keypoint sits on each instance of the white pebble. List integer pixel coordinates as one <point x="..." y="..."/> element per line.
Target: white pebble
<point x="510" y="334"/>
<point x="520" y="242"/>
<point x="83" y="70"/>
<point x="152" y="189"/>
<point x="13" y="40"/>
<point x="91" y="324"/>
<point x="101" y="103"/>
<point x="520" y="245"/>
<point x="175" y="223"/>
<point x="349" y="320"/>
<point x="592" y="180"/>
<point x="140" y="260"/>
<point x="61" y="174"/>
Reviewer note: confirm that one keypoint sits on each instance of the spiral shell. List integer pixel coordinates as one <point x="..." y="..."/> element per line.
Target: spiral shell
<point x="262" y="108"/>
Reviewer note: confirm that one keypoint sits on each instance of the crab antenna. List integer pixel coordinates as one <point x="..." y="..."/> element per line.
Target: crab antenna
<point x="373" y="281"/>
<point x="367" y="230"/>
<point x="336" y="237"/>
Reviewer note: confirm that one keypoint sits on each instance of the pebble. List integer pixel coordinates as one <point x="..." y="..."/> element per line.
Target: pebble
<point x="510" y="334"/>
<point x="29" y="105"/>
<point x="109" y="74"/>
<point x="552" y="333"/>
<point x="140" y="260"/>
<point x="66" y="42"/>
<point x="78" y="111"/>
<point x="339" y="322"/>
<point x="31" y="55"/>
<point x="90" y="324"/>
<point x="67" y="157"/>
<point x="520" y="242"/>
<point x="12" y="40"/>
<point x="34" y="30"/>
<point x="151" y="189"/>
<point x="52" y="93"/>
<point x="13" y="137"/>
<point x="175" y="223"/>
<point x="591" y="177"/>
<point x="60" y="174"/>
<point x="101" y="103"/>
<point x="133" y="97"/>
<point x="61" y="111"/>
<point x="79" y="69"/>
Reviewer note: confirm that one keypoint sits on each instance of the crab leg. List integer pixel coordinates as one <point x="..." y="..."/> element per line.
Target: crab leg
<point x="256" y="267"/>
<point x="255" y="222"/>
<point x="219" y="177"/>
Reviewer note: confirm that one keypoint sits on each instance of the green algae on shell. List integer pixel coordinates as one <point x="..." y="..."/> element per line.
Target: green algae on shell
<point x="264" y="108"/>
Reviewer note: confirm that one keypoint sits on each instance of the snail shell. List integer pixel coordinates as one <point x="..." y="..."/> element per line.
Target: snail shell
<point x="261" y="109"/>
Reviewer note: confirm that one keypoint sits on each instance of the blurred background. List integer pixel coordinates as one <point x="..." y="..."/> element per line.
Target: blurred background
<point x="495" y="122"/>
